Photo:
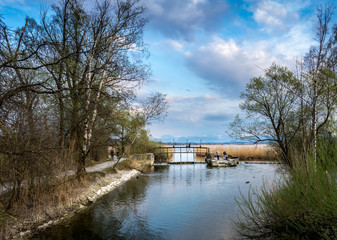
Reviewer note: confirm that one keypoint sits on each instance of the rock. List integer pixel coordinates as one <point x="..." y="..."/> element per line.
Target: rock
<point x="25" y="233"/>
<point x="43" y="226"/>
<point x="90" y="200"/>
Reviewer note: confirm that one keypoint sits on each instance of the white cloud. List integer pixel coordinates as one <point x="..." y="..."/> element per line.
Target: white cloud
<point x="155" y="7"/>
<point x="228" y="49"/>
<point x="195" y="109"/>
<point x="276" y="17"/>
<point x="271" y="14"/>
<point x="197" y="116"/>
<point x="181" y="19"/>
<point x="296" y="42"/>
<point x="175" y="45"/>
<point x="262" y="16"/>
<point x="227" y="65"/>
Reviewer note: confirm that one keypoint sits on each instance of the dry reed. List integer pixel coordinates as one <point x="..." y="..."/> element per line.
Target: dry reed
<point x="43" y="206"/>
<point x="246" y="151"/>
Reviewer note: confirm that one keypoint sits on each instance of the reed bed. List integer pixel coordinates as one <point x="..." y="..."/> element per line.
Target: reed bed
<point x="246" y="151"/>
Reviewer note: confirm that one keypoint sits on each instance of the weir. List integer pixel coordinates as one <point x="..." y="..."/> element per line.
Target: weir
<point x="180" y="154"/>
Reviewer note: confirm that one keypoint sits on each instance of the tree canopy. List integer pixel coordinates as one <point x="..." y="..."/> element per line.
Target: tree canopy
<point x="292" y="108"/>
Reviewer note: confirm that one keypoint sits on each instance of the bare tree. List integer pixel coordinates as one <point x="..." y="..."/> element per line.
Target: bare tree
<point x="94" y="53"/>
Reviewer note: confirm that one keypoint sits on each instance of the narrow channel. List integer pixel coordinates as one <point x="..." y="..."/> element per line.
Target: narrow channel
<point x="171" y="202"/>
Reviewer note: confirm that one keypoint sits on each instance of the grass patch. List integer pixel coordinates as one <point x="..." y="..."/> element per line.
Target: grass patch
<point x="141" y="165"/>
<point x="91" y="162"/>
<point x="121" y="165"/>
<point x="94" y="175"/>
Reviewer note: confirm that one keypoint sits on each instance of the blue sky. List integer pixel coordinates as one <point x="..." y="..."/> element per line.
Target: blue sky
<point x="203" y="52"/>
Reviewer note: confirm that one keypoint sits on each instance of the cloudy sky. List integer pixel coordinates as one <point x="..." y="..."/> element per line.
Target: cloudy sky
<point x="203" y="52"/>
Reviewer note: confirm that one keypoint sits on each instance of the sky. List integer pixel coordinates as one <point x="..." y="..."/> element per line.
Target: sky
<point x="203" y="53"/>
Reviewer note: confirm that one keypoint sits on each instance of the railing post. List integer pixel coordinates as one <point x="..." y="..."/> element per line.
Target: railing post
<point x="180" y="154"/>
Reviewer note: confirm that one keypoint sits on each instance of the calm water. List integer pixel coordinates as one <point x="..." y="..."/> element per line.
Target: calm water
<point x="172" y="202"/>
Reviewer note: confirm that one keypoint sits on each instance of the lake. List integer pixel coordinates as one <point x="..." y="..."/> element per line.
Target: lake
<point x="189" y="201"/>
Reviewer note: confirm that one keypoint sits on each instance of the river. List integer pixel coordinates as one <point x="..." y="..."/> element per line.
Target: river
<point x="171" y="202"/>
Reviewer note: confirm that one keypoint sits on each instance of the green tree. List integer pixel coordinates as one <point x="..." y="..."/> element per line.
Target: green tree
<point x="272" y="110"/>
<point x="131" y="125"/>
<point x="143" y="143"/>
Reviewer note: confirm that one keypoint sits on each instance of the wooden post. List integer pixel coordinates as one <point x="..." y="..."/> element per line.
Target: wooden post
<point x="194" y="154"/>
<point x="180" y="154"/>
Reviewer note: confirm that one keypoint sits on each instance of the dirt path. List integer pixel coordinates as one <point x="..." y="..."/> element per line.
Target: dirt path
<point x="95" y="168"/>
<point x="102" y="166"/>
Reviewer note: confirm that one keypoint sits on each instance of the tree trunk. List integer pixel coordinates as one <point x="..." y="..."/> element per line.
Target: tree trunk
<point x="61" y="109"/>
<point x="314" y="123"/>
<point x="81" y="172"/>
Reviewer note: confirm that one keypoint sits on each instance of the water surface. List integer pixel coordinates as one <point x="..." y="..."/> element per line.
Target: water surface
<point x="172" y="202"/>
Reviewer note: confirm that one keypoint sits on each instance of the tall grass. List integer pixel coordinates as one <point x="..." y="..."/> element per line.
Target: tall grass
<point x="247" y="151"/>
<point x="303" y="205"/>
<point x="51" y="202"/>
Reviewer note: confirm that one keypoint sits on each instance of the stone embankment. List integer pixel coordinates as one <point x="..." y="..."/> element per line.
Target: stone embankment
<point x="94" y="192"/>
<point x="81" y="199"/>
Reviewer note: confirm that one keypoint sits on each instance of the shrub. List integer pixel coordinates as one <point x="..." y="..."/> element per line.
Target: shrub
<point x="301" y="205"/>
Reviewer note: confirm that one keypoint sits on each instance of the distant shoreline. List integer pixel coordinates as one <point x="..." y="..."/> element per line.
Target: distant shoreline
<point x="247" y="151"/>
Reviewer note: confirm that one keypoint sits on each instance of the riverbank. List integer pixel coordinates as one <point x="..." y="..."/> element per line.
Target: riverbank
<point x="64" y="204"/>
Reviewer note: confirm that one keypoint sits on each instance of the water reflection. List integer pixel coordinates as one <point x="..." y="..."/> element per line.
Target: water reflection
<point x="187" y="154"/>
<point x="183" y="155"/>
<point x="173" y="202"/>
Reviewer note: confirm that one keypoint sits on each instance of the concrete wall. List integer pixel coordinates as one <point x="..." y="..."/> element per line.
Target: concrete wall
<point x="148" y="157"/>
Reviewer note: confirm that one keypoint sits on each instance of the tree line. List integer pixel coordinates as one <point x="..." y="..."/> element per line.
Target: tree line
<point x="68" y="90"/>
<point x="293" y="109"/>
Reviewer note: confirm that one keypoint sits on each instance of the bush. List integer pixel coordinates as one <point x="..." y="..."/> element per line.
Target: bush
<point x="301" y="205"/>
<point x="98" y="154"/>
<point x="143" y="143"/>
